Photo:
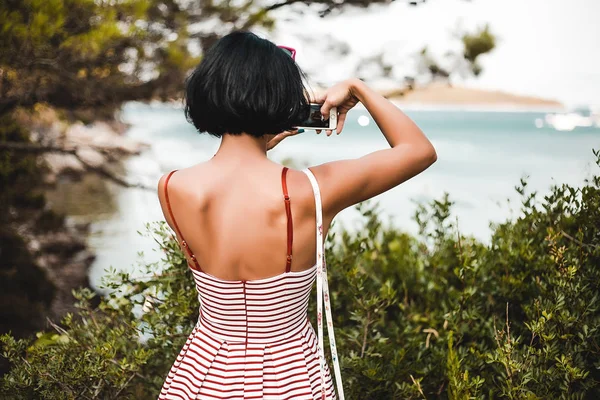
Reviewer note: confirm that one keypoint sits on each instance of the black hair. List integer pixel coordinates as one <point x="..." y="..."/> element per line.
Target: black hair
<point x="246" y="84"/>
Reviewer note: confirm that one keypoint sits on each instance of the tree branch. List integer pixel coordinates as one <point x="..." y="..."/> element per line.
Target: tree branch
<point x="365" y="334"/>
<point x="35" y="148"/>
<point x="283" y="4"/>
<point x="571" y="238"/>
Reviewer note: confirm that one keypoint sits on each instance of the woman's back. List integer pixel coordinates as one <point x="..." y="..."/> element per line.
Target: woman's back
<point x="232" y="214"/>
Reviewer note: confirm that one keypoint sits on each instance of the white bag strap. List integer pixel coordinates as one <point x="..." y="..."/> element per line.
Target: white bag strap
<point x="323" y="293"/>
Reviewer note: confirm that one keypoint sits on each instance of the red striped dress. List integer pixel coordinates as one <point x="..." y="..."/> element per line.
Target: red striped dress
<point x="253" y="339"/>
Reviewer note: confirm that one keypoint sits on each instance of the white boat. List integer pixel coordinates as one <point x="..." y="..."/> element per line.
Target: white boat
<point x="571" y="120"/>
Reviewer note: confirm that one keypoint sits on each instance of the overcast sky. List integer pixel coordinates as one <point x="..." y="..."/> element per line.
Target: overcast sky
<point x="547" y="48"/>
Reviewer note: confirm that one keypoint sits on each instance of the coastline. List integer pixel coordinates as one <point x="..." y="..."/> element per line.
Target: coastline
<point x="476" y="107"/>
<point x="440" y="96"/>
<point x="56" y="240"/>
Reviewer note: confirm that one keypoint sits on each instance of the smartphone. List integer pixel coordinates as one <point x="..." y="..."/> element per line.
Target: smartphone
<point x="316" y="121"/>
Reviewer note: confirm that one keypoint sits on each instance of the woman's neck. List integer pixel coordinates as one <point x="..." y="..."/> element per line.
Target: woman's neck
<point x="243" y="147"/>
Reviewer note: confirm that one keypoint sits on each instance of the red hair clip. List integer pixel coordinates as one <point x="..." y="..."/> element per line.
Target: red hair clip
<point x="290" y="51"/>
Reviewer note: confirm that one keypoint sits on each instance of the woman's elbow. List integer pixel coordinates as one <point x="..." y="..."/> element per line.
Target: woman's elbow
<point x="433" y="155"/>
<point x="429" y="154"/>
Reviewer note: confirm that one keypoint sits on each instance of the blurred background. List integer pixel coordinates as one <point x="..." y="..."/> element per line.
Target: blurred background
<point x="91" y="116"/>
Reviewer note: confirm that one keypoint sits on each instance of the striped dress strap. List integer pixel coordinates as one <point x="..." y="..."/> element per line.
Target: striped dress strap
<point x="288" y="212"/>
<point x="323" y="293"/>
<point x="182" y="243"/>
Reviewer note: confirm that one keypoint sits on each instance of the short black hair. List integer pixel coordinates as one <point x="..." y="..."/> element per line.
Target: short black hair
<point x="246" y="84"/>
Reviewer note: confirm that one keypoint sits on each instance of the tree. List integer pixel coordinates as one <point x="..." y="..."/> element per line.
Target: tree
<point x="77" y="54"/>
<point x="463" y="63"/>
<point x="477" y="44"/>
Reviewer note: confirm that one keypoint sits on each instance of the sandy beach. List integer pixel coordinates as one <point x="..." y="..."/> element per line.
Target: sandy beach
<point x="440" y="94"/>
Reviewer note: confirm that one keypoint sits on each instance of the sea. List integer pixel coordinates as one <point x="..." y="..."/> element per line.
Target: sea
<point x="482" y="156"/>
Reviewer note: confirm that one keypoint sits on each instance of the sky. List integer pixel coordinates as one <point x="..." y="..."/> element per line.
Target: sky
<point x="546" y="48"/>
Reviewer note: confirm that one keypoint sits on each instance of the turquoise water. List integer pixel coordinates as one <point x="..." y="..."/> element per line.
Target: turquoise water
<point x="481" y="157"/>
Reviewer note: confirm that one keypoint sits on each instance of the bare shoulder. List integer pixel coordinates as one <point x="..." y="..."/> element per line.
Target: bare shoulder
<point x="173" y="180"/>
<point x="162" y="188"/>
<point x="170" y="187"/>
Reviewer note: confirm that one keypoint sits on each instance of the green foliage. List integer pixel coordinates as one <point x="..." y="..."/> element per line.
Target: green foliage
<point x="475" y="44"/>
<point x="465" y="62"/>
<point x="86" y="54"/>
<point x="71" y="53"/>
<point x="516" y="319"/>
<point x="439" y="315"/>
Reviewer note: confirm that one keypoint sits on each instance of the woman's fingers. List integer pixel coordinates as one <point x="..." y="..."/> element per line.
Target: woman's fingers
<point x="328" y="132"/>
<point x="326" y="107"/>
<point x="280" y="136"/>
<point x="293" y="132"/>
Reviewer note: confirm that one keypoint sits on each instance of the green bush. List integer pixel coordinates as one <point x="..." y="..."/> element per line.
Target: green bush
<point x="439" y="315"/>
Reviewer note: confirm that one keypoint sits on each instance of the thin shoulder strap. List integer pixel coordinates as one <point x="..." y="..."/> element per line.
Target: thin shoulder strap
<point x="169" y="203"/>
<point x="323" y="293"/>
<point x="288" y="211"/>
<point x="183" y="242"/>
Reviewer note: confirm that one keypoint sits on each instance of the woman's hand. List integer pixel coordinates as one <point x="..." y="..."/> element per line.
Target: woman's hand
<point x="280" y="136"/>
<point x="341" y="96"/>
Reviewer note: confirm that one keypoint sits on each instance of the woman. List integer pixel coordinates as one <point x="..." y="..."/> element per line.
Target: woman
<point x="239" y="217"/>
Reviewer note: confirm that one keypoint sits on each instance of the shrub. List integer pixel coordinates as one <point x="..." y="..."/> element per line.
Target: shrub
<point x="439" y="315"/>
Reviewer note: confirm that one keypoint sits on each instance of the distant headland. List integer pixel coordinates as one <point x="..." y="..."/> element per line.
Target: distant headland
<point x="440" y="94"/>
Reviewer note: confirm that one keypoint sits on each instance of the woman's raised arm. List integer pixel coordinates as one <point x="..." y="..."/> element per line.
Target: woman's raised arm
<point x="348" y="182"/>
